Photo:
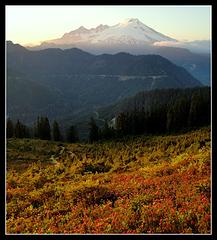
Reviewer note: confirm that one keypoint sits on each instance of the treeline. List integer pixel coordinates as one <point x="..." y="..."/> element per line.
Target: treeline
<point x="42" y="129"/>
<point x="160" y="112"/>
<point x="155" y="112"/>
<point x="183" y="110"/>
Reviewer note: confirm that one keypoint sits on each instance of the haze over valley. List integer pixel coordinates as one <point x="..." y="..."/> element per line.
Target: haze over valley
<point x="70" y="83"/>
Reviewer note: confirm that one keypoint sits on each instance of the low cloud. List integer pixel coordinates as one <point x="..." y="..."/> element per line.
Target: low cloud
<point x="195" y="46"/>
<point x="169" y="44"/>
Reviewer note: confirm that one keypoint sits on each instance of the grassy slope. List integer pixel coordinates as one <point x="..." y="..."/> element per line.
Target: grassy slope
<point x="142" y="185"/>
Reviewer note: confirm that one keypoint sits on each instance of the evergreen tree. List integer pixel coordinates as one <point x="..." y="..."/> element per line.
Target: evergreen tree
<point x="93" y="131"/>
<point x="72" y="135"/>
<point x="195" y="109"/>
<point x="200" y="111"/>
<point x="42" y="129"/>
<point x="46" y="129"/>
<point x="26" y="132"/>
<point x="170" y="119"/>
<point x="21" y="131"/>
<point x="56" y="132"/>
<point x="107" y="132"/>
<point x="18" y="131"/>
<point x="36" y="128"/>
<point x="122" y="123"/>
<point x="177" y="111"/>
<point x="182" y="111"/>
<point x="10" y="128"/>
<point x="140" y="123"/>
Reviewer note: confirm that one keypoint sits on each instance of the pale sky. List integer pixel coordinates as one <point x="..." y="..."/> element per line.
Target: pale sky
<point x="34" y="23"/>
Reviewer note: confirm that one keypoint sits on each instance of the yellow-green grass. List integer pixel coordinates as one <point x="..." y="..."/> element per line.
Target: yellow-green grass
<point x="146" y="184"/>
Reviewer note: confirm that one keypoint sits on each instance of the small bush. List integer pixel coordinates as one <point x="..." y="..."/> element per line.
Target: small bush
<point x="204" y="189"/>
<point x="94" y="196"/>
<point x="95" y="168"/>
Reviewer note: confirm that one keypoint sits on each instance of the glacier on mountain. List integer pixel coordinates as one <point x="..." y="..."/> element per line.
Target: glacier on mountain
<point x="130" y="31"/>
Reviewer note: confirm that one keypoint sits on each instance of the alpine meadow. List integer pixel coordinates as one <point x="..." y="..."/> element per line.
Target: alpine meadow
<point x="108" y="126"/>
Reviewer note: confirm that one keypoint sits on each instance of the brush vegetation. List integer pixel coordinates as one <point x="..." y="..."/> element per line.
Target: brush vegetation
<point x="138" y="184"/>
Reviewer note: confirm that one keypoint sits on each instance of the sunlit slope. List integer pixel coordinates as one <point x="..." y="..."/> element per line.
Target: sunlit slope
<point x="153" y="184"/>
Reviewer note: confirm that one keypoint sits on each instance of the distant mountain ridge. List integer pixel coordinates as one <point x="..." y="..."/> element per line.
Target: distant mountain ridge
<point x="83" y="82"/>
<point x="199" y="65"/>
<point x="76" y="61"/>
<point x="134" y="37"/>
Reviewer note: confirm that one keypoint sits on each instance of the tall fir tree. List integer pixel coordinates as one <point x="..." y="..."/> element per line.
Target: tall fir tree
<point x="93" y="131"/>
<point x="18" y="131"/>
<point x="42" y="129"/>
<point x="10" y="128"/>
<point x="107" y="132"/>
<point x="36" y="128"/>
<point x="121" y="123"/>
<point x="56" y="132"/>
<point x="72" y="134"/>
<point x="21" y="131"/>
<point x="200" y="111"/>
<point x="170" y="119"/>
<point x="195" y="109"/>
<point x="46" y="129"/>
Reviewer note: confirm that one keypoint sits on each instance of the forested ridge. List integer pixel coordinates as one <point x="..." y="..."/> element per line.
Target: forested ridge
<point x="152" y="112"/>
<point x="165" y="111"/>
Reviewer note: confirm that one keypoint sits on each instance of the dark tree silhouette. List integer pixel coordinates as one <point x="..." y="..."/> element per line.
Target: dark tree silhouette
<point x="56" y="132"/>
<point x="72" y="134"/>
<point x="179" y="110"/>
<point x="10" y="128"/>
<point x="21" y="131"/>
<point x="42" y="129"/>
<point x="93" y="131"/>
<point x="107" y="132"/>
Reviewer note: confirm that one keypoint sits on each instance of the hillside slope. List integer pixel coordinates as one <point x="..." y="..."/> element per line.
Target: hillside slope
<point x="147" y="100"/>
<point x="152" y="184"/>
<point x="25" y="96"/>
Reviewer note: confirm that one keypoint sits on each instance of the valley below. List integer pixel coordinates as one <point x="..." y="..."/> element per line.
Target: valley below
<point x="70" y="85"/>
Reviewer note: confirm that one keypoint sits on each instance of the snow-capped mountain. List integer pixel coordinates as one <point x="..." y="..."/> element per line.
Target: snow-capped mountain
<point x="134" y="37"/>
<point x="130" y="32"/>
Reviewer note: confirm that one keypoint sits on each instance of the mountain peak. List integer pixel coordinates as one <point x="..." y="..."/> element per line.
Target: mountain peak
<point x="130" y="32"/>
<point x="128" y="21"/>
<point x="9" y="42"/>
<point x="82" y="29"/>
<point x="15" y="47"/>
<point x="101" y="27"/>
